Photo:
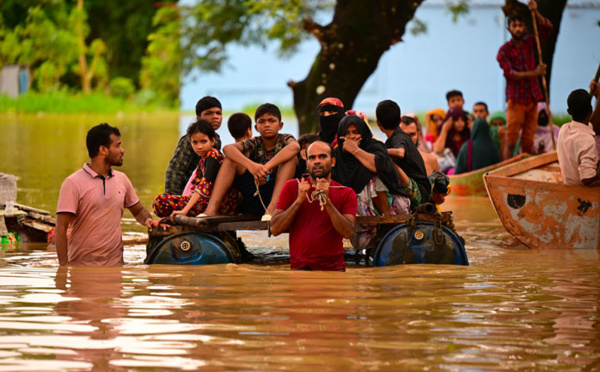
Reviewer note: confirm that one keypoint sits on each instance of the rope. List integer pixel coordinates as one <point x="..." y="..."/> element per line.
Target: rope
<point x="319" y="195"/>
<point x="257" y="193"/>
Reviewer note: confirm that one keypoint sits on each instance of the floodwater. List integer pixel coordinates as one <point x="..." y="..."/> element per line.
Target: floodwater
<point x="512" y="309"/>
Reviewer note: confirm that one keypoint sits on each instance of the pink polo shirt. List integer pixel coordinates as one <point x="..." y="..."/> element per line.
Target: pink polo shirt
<point x="577" y="153"/>
<point x="98" y="207"/>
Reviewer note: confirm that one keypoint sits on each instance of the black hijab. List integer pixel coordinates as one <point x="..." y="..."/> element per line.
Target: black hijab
<point x="350" y="172"/>
<point x="329" y="124"/>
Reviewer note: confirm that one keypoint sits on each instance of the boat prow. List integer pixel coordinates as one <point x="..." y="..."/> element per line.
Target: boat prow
<point x="471" y="183"/>
<point x="539" y="210"/>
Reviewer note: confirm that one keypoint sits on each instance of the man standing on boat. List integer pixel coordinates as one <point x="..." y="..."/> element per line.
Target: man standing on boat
<point x="92" y="199"/>
<point x="318" y="212"/>
<point x="576" y="146"/>
<point x="517" y="60"/>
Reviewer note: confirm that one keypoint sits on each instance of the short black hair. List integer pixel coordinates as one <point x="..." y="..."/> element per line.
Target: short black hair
<point x="238" y="124"/>
<point x="514" y="18"/>
<point x="201" y="126"/>
<point x="267" y="108"/>
<point x="579" y="104"/>
<point x="388" y="114"/>
<point x="307" y="138"/>
<point x="206" y="103"/>
<point x="408" y="120"/>
<point x="453" y="93"/>
<point x="481" y="103"/>
<point x="99" y="136"/>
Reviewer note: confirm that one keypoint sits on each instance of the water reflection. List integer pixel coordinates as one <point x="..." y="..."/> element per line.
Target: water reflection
<point x="513" y="309"/>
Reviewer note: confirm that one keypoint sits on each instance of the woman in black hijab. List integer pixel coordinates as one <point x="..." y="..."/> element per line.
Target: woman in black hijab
<point x="362" y="163"/>
<point x="331" y="111"/>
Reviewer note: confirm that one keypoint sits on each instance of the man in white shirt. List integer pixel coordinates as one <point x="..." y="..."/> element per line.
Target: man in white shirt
<point x="576" y="146"/>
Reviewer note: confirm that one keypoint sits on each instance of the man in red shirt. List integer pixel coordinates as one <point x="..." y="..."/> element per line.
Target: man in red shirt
<point x="318" y="212"/>
<point x="517" y="60"/>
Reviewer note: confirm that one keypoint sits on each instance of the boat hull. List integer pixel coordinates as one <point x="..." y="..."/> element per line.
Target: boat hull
<point x="542" y="212"/>
<point x="471" y="183"/>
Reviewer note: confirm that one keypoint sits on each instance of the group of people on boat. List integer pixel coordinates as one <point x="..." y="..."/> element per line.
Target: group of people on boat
<point x="314" y="187"/>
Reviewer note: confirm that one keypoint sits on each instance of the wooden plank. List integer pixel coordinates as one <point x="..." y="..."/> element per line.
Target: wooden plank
<point x="210" y="223"/>
<point x="27" y="208"/>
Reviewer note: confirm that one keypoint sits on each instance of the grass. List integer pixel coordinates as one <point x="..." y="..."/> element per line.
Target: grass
<point x="66" y="103"/>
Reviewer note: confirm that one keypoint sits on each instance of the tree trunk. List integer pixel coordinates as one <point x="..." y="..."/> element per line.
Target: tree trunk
<point x="551" y="9"/>
<point x="351" y="46"/>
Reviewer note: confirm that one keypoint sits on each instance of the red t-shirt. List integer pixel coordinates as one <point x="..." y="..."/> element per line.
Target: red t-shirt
<point x="314" y="242"/>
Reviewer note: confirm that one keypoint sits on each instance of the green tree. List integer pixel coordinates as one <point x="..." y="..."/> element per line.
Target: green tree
<point x="44" y="44"/>
<point x="351" y="44"/>
<point x="161" y="67"/>
<point x="124" y="27"/>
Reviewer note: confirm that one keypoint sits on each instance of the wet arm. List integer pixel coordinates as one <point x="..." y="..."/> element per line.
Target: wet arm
<point x="282" y="220"/>
<point x="63" y="220"/>
<point x="342" y="223"/>
<point x="141" y="215"/>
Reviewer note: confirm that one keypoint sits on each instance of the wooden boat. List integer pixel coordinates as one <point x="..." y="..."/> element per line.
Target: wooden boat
<point x="471" y="183"/>
<point x="539" y="210"/>
<point x="23" y="224"/>
<point x="404" y="239"/>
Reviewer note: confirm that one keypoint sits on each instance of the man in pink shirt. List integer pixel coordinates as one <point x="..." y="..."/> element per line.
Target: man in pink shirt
<point x="92" y="199"/>
<point x="576" y="146"/>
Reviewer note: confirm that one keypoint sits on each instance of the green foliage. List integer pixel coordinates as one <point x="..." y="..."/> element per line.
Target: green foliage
<point x="65" y="103"/>
<point x="418" y="27"/>
<point x="210" y="25"/>
<point x="121" y="87"/>
<point x="458" y="8"/>
<point x="161" y="67"/>
<point x="124" y="27"/>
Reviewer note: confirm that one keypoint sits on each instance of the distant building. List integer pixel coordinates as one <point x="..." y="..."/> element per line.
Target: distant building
<point x="14" y="80"/>
<point x="420" y="70"/>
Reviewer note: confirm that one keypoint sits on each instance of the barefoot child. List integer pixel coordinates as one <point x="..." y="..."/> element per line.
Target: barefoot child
<point x="268" y="160"/>
<point x="199" y="188"/>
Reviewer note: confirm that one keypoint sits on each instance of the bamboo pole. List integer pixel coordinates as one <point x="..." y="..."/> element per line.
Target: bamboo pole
<point x="546" y="98"/>
<point x="596" y="77"/>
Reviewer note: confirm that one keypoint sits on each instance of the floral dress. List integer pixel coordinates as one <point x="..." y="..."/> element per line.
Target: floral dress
<point x="202" y="182"/>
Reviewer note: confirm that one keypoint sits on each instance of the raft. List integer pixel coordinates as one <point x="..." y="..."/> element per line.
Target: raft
<point x="539" y="210"/>
<point x="425" y="238"/>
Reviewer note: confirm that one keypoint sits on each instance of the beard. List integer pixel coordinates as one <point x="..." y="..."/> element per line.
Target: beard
<point x="324" y="172"/>
<point x="518" y="36"/>
<point x="115" y="160"/>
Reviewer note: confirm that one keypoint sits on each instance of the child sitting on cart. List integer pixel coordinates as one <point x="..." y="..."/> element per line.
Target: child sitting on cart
<point x="200" y="185"/>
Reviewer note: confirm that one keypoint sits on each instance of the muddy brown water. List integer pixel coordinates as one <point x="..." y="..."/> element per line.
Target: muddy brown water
<point x="512" y="309"/>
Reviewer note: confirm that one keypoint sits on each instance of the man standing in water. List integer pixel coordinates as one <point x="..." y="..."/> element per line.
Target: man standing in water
<point x="93" y="199"/>
<point x="517" y="60"/>
<point x="318" y="212"/>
